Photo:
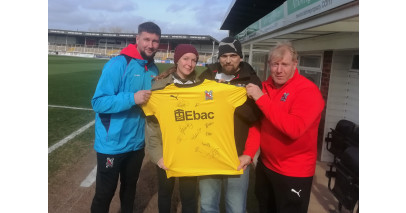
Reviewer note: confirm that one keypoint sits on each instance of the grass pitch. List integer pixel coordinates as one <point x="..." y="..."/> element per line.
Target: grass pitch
<point x="72" y="80"/>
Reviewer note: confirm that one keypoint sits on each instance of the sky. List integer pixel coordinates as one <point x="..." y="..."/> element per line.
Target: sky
<point x="192" y="17"/>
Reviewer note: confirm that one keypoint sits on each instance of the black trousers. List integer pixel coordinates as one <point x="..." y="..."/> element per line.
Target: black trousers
<point x="187" y="191"/>
<point x="278" y="193"/>
<point x="109" y="168"/>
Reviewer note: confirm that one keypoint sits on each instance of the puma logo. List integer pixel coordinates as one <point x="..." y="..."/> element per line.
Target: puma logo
<point x="231" y="44"/>
<point x="174" y="96"/>
<point x="292" y="190"/>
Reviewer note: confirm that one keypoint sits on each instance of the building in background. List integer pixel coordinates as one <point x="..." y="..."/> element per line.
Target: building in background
<point x="100" y="44"/>
<point x="326" y="36"/>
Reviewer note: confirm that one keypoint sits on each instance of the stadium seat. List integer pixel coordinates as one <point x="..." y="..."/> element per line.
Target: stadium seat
<point x="343" y="143"/>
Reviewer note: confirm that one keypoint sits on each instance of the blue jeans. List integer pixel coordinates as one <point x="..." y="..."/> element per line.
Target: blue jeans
<point x="235" y="188"/>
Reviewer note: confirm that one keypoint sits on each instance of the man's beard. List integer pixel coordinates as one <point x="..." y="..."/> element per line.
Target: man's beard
<point x="230" y="70"/>
<point x="148" y="58"/>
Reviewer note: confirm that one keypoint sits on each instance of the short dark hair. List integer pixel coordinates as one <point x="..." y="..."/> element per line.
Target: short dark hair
<point x="149" y="27"/>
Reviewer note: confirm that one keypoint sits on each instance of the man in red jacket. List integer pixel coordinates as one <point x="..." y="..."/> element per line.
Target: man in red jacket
<point x="287" y="134"/>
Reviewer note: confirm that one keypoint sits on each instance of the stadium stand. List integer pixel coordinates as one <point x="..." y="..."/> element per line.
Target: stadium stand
<point x="107" y="45"/>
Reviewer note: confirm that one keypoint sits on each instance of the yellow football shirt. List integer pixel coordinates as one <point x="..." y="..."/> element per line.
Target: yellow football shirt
<point x="197" y="125"/>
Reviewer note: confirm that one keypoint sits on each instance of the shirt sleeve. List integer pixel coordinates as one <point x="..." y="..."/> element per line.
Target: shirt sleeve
<point x="149" y="108"/>
<point x="253" y="140"/>
<point x="107" y="97"/>
<point x="153" y="139"/>
<point x="236" y="95"/>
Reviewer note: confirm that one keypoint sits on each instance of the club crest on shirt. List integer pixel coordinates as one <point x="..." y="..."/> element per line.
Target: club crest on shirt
<point x="284" y="96"/>
<point x="209" y="94"/>
<point x="109" y="162"/>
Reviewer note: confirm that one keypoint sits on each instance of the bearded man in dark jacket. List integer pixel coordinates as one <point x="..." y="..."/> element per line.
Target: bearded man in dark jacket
<point x="232" y="70"/>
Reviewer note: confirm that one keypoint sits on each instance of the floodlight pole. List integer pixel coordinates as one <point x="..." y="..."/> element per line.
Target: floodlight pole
<point x="250" y="56"/>
<point x="167" y="51"/>
<point x="212" y="52"/>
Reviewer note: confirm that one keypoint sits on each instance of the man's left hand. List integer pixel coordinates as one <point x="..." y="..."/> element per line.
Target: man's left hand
<point x="245" y="160"/>
<point x="253" y="91"/>
<point x="142" y="96"/>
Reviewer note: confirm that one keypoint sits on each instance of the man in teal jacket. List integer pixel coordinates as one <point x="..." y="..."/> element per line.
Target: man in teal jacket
<point x="124" y="84"/>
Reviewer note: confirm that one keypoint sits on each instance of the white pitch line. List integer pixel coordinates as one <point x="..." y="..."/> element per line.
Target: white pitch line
<point x="69" y="137"/>
<point x="89" y="180"/>
<point x="68" y="107"/>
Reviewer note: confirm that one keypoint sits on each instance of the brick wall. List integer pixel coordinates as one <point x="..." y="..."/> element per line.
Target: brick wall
<point x="325" y="80"/>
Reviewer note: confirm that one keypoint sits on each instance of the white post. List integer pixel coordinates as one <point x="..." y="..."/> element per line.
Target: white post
<point x="250" y="56"/>
<point x="167" y="51"/>
<point x="212" y="53"/>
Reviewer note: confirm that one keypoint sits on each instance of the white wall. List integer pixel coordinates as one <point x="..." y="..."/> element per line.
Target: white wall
<point x="343" y="95"/>
<point x="336" y="41"/>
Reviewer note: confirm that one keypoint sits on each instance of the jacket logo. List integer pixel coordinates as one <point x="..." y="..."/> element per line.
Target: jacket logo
<point x="284" y="96"/>
<point x="181" y="115"/>
<point x="209" y="94"/>
<point x="109" y="162"/>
